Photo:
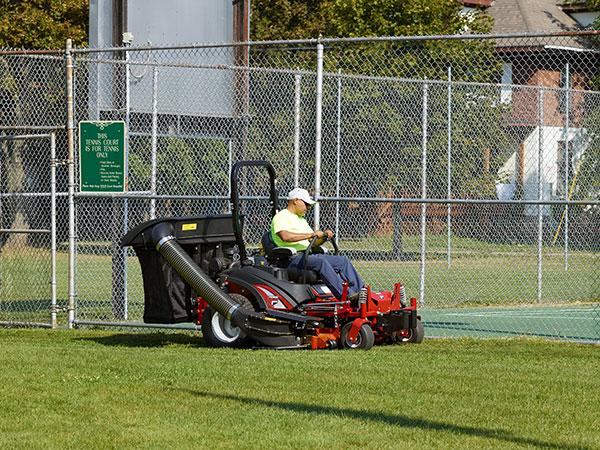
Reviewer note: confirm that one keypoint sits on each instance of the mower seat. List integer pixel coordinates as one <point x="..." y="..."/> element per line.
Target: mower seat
<point x="281" y="257"/>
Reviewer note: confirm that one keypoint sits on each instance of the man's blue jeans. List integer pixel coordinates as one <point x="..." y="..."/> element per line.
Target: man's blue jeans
<point x="328" y="267"/>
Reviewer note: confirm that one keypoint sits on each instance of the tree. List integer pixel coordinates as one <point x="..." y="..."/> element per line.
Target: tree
<point x="401" y="18"/>
<point x="382" y="103"/>
<point x="592" y="5"/>
<point x="43" y="24"/>
<point x="588" y="175"/>
<point x="287" y="19"/>
<point x="29" y="86"/>
<point x="304" y="19"/>
<point x="377" y="114"/>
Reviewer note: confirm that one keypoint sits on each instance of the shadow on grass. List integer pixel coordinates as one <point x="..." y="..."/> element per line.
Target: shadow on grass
<point x="388" y="419"/>
<point x="147" y="340"/>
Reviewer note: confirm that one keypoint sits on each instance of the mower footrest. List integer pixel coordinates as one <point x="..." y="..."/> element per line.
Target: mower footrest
<point x="397" y="320"/>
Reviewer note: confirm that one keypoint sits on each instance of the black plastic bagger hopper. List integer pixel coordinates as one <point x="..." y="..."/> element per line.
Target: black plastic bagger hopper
<point x="178" y="256"/>
<point x="168" y="298"/>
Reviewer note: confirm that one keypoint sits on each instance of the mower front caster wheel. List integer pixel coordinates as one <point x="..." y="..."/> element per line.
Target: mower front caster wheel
<point x="411" y="336"/>
<point x="219" y="331"/>
<point x="364" y="340"/>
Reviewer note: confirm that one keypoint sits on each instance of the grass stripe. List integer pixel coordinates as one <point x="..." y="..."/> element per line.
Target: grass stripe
<point x="99" y="389"/>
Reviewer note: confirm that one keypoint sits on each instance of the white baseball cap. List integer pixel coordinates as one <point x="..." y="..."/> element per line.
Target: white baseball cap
<point x="301" y="194"/>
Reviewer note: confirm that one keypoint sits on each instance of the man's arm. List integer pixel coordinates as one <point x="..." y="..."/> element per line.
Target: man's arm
<point x="288" y="236"/>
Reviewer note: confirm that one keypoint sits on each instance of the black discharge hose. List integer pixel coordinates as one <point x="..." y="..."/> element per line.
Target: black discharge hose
<point x="270" y="331"/>
<point x="162" y="235"/>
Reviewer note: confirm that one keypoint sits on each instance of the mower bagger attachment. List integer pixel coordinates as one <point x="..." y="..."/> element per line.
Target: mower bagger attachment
<point x="270" y="328"/>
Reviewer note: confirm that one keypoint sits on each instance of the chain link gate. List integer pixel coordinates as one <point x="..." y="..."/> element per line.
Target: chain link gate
<point x="32" y="188"/>
<point x="28" y="286"/>
<point x="464" y="166"/>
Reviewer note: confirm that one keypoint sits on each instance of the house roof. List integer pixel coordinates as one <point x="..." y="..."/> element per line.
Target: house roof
<point x="476" y="3"/>
<point x="529" y="16"/>
<point x="534" y="16"/>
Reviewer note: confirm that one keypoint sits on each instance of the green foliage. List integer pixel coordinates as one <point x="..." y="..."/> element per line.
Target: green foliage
<point x="592" y="5"/>
<point x="588" y="175"/>
<point x="587" y="184"/>
<point x="401" y="18"/>
<point x="287" y="19"/>
<point x="43" y="24"/>
<point x="382" y="116"/>
<point x="302" y="19"/>
<point x="587" y="5"/>
<point x="184" y="165"/>
<point x="386" y="118"/>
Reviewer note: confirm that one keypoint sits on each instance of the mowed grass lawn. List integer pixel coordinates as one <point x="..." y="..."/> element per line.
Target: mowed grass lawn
<point x="102" y="389"/>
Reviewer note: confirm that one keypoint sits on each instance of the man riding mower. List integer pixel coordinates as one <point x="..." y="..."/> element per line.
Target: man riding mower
<point x="196" y="269"/>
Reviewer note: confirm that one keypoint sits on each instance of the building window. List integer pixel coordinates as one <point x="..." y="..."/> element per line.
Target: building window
<point x="506" y="92"/>
<point x="585" y="18"/>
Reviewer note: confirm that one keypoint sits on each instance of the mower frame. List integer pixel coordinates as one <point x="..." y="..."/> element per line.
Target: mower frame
<point x="197" y="267"/>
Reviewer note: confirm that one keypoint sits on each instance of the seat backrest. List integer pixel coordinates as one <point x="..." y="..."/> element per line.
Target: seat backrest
<point x="276" y="255"/>
<point x="281" y="258"/>
<point x="267" y="243"/>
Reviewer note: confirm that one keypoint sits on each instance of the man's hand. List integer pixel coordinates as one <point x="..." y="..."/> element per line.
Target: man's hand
<point x="328" y="234"/>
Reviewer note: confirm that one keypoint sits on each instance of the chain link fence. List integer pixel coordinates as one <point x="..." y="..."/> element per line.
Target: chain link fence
<point x="465" y="167"/>
<point x="33" y="270"/>
<point x="28" y="207"/>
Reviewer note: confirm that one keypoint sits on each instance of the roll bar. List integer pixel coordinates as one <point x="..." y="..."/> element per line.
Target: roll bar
<point x="235" y="199"/>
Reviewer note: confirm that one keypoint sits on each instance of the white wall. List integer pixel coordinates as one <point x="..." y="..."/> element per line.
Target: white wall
<point x="189" y="91"/>
<point x="551" y="136"/>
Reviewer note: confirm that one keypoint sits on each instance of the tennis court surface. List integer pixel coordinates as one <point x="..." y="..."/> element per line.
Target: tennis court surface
<point x="574" y="322"/>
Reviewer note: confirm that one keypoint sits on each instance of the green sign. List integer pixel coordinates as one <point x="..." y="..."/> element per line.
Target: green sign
<point x="101" y="156"/>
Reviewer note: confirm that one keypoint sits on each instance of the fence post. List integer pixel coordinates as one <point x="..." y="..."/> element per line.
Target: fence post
<point x="230" y="166"/>
<point x="319" y="113"/>
<point x="423" y="195"/>
<point x="126" y="200"/>
<point x="154" y="141"/>
<point x="53" y="225"/>
<point x="449" y="160"/>
<point x="297" y="81"/>
<point x="567" y="163"/>
<point x="539" y="176"/>
<point x="71" y="188"/>
<point x="119" y="220"/>
<point x="338" y="150"/>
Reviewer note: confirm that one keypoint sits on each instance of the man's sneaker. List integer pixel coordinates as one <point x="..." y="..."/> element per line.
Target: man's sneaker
<point x="353" y="299"/>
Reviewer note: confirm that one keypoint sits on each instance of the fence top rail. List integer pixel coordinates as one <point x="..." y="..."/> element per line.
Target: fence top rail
<point x="290" y="71"/>
<point x="8" y="51"/>
<point x="327" y="41"/>
<point x="444" y="201"/>
<point x="32" y="127"/>
<point x="312" y="42"/>
<point x="24" y="137"/>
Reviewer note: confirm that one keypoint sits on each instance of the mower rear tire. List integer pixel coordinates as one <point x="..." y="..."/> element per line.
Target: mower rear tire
<point x="219" y="331"/>
<point x="411" y="336"/>
<point x="364" y="340"/>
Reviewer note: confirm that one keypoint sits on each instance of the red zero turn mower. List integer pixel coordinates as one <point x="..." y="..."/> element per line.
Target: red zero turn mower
<point x="196" y="269"/>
